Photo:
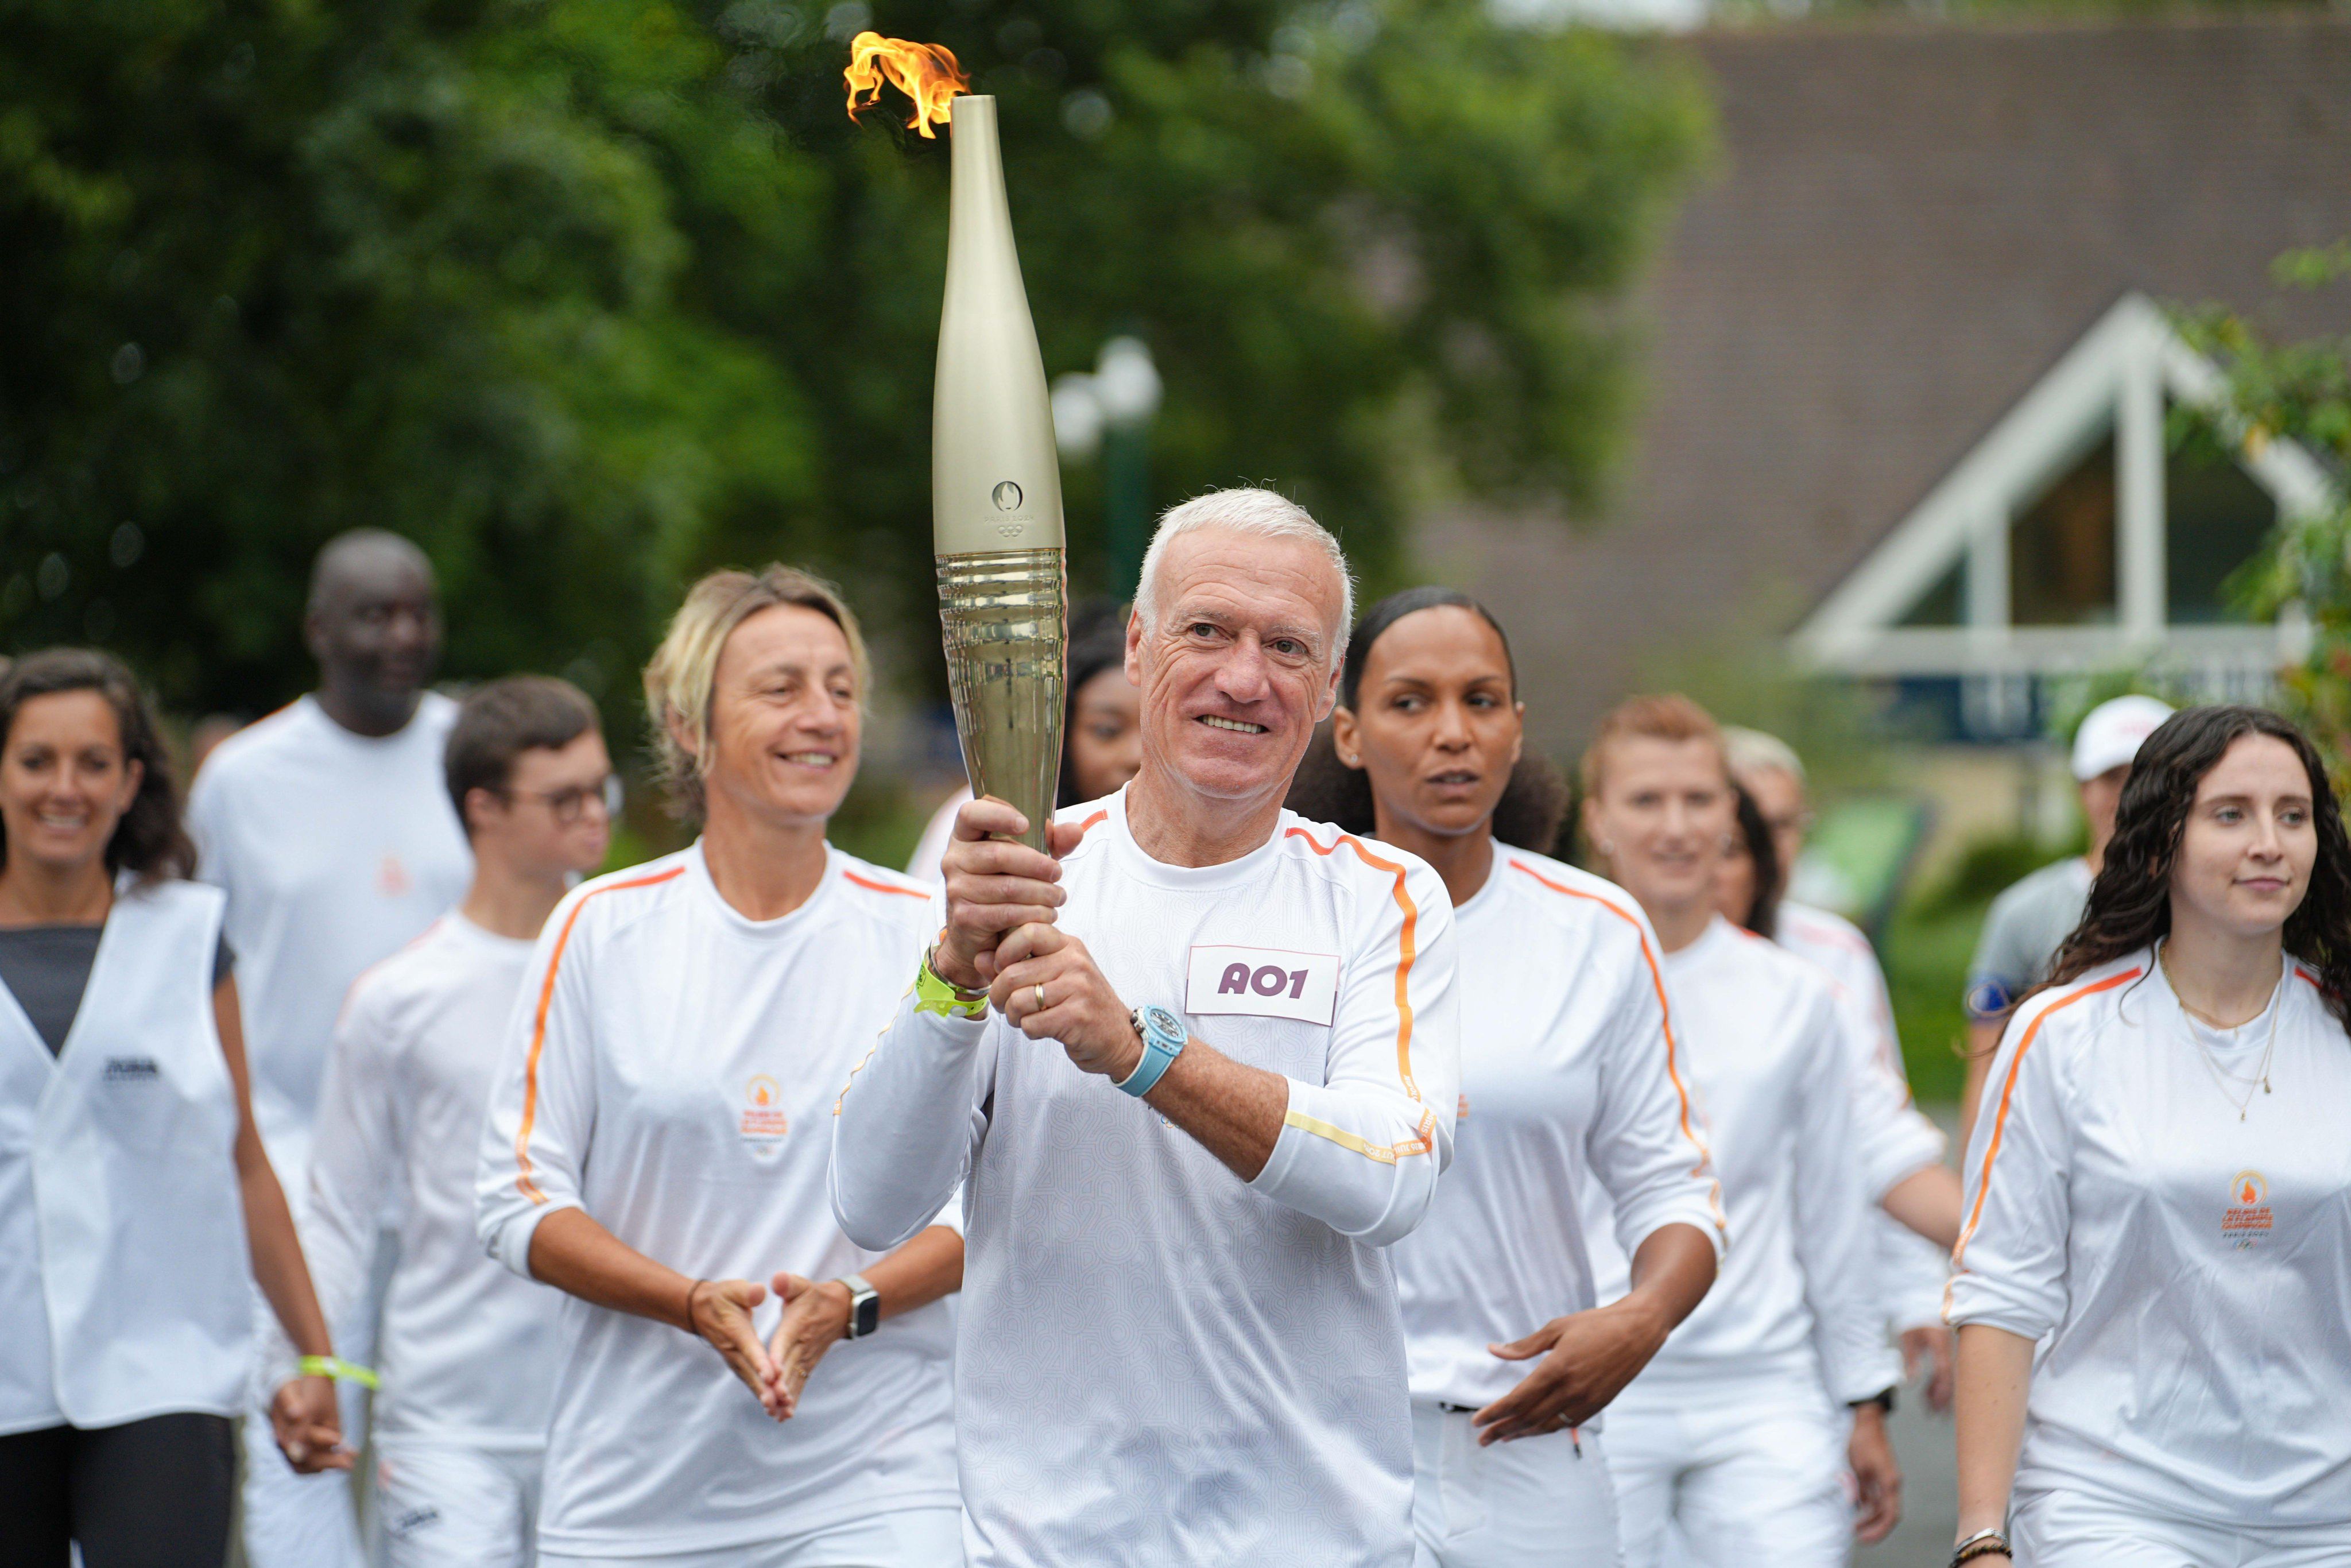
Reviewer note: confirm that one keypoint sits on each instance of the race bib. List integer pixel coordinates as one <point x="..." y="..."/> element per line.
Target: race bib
<point x="1263" y="982"/>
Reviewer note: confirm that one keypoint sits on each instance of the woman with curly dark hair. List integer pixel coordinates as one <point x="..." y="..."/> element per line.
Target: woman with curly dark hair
<point x="136" y="1201"/>
<point x="1567" y="1077"/>
<point x="2159" y="1190"/>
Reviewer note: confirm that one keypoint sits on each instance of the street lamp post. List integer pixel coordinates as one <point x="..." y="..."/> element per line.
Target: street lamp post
<point x="1109" y="413"/>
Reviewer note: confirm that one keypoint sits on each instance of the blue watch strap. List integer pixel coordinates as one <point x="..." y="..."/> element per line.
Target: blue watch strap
<point x="1162" y="1041"/>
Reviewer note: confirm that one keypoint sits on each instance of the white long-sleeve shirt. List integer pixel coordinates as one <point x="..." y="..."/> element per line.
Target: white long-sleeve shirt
<point x="668" y="1069"/>
<point x="2188" y="1270"/>
<point x="466" y="1351"/>
<point x="1797" y="1299"/>
<point x="335" y="849"/>
<point x="1897" y="1140"/>
<point x="1569" y="1079"/>
<point x="1156" y="1361"/>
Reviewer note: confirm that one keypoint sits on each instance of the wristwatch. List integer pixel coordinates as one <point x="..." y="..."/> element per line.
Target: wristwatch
<point x="864" y="1307"/>
<point x="1883" y="1399"/>
<point x="1163" y="1034"/>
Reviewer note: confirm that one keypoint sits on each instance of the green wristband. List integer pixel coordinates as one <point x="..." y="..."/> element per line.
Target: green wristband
<point x="934" y="995"/>
<point x="336" y="1367"/>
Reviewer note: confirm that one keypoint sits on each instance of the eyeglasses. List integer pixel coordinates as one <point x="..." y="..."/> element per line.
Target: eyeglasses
<point x="566" y="804"/>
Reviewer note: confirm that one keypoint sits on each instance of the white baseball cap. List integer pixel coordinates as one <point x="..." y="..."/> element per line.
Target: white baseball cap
<point x="2111" y="733"/>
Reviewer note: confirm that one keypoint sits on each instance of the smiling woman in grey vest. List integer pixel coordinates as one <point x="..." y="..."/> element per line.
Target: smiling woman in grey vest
<point x="134" y="1188"/>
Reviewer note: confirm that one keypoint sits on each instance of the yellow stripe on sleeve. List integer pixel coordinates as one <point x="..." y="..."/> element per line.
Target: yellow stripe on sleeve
<point x="1387" y="1155"/>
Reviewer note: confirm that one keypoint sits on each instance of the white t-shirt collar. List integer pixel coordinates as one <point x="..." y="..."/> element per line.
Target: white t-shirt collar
<point x="1137" y="864"/>
<point x="697" y="875"/>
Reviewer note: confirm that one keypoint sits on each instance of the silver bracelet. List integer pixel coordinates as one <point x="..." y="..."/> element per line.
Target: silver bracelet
<point x="1984" y="1542"/>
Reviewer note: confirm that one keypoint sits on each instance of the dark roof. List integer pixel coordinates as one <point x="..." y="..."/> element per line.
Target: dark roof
<point x="1905" y="227"/>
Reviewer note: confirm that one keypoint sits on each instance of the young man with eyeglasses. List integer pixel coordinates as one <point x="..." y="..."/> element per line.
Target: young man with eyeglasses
<point x="467" y="1349"/>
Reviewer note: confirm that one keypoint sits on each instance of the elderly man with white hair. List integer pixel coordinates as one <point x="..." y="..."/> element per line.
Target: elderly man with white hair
<point x="1194" y="1070"/>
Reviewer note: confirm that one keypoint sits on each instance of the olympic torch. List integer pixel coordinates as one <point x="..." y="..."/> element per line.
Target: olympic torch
<point x="996" y="482"/>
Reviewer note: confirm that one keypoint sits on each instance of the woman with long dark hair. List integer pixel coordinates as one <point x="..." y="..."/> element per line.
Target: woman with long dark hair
<point x="2159" y="1189"/>
<point x="137" y="1206"/>
<point x="1570" y="1104"/>
<point x="1748" y="883"/>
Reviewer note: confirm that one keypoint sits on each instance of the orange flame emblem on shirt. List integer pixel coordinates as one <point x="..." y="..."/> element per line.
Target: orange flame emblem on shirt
<point x="926" y="73"/>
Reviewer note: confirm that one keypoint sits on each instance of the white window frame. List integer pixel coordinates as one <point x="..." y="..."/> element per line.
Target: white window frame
<point x="2116" y="376"/>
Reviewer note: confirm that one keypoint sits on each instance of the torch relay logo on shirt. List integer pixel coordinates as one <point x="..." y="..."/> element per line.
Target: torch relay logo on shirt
<point x="2247" y="1216"/>
<point x="761" y="1119"/>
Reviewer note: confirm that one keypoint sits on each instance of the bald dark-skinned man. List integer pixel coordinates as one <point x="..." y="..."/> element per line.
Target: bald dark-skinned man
<point x="329" y="827"/>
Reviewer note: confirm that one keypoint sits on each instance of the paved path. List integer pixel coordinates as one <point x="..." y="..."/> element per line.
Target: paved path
<point x="1922" y="1442"/>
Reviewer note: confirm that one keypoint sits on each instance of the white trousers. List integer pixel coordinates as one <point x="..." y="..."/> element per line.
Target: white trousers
<point x="2075" y="1529"/>
<point x="903" y="1538"/>
<point x="1537" y="1500"/>
<point x="294" y="1521"/>
<point x="445" y="1505"/>
<point x="1748" y="1476"/>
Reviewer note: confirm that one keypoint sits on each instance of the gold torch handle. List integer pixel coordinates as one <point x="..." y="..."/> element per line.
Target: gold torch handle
<point x="1003" y="615"/>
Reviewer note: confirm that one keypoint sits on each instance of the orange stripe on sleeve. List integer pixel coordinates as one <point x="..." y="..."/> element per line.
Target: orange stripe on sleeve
<point x="1705" y="1165"/>
<point x="2007" y="1091"/>
<point x="1406" y="949"/>
<point x="869" y="883"/>
<point x="529" y="1187"/>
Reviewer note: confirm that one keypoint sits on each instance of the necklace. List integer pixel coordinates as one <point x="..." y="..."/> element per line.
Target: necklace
<point x="2260" y="1077"/>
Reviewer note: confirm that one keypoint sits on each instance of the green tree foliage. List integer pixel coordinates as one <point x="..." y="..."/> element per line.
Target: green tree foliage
<point x="589" y="295"/>
<point x="2300" y="393"/>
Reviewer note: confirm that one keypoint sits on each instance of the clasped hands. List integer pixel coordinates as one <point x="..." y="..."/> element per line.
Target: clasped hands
<point x="1002" y="901"/>
<point x="816" y="1318"/>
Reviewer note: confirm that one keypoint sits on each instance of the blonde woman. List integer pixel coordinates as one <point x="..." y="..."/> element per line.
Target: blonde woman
<point x="657" y="1142"/>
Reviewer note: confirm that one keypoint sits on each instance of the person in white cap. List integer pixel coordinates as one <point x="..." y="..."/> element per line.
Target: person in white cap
<point x="1919" y="1196"/>
<point x="1197" y="1072"/>
<point x="2030" y="920"/>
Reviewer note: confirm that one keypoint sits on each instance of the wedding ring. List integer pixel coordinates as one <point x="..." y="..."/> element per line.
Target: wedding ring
<point x="1041" y="995"/>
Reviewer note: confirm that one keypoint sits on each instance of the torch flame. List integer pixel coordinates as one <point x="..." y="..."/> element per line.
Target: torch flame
<point x="928" y="73"/>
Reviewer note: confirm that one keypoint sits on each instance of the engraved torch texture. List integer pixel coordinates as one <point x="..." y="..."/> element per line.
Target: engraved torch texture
<point x="996" y="494"/>
<point x="1005" y="621"/>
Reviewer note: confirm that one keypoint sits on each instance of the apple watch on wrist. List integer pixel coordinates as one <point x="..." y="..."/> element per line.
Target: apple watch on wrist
<point x="864" y="1307"/>
<point x="1163" y="1035"/>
